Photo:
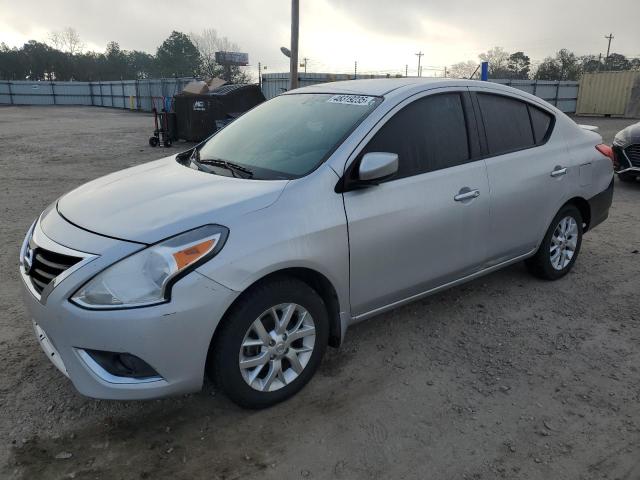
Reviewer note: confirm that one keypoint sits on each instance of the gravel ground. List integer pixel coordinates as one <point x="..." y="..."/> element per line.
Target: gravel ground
<point x="504" y="377"/>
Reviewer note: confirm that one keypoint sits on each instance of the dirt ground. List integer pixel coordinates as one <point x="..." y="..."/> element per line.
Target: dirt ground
<point x="504" y="377"/>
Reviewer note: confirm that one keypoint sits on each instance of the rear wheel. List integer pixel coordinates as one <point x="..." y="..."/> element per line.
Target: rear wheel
<point x="270" y="344"/>
<point x="560" y="247"/>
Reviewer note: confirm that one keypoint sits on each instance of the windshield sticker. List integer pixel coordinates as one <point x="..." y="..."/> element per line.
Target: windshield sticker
<point x="352" y="100"/>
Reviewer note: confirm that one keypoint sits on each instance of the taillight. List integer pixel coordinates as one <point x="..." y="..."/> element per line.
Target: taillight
<point x="607" y="151"/>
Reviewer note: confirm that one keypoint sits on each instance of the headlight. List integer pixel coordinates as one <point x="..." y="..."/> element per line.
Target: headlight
<point x="145" y="278"/>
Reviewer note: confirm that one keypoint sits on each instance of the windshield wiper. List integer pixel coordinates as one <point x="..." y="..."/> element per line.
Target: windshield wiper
<point x="235" y="169"/>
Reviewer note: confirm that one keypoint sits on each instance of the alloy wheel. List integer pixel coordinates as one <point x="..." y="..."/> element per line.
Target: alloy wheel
<point x="564" y="242"/>
<point x="277" y="347"/>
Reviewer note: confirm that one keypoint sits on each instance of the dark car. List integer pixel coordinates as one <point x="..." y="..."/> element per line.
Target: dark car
<point x="626" y="147"/>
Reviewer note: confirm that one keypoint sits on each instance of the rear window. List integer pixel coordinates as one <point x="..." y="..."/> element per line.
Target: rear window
<point x="540" y="123"/>
<point x="506" y="123"/>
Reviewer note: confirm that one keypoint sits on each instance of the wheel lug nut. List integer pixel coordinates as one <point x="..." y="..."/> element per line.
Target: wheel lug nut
<point x="272" y="343"/>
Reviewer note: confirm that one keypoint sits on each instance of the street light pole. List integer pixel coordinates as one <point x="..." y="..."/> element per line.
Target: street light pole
<point x="293" y="61"/>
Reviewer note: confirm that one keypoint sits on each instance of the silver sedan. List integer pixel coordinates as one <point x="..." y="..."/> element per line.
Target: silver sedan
<point x="247" y="255"/>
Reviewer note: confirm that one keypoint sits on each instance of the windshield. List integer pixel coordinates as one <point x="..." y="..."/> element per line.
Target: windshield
<point x="289" y="136"/>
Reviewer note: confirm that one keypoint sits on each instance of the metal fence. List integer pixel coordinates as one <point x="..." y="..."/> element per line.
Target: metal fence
<point x="562" y="94"/>
<point x="130" y="94"/>
<point x="140" y="94"/>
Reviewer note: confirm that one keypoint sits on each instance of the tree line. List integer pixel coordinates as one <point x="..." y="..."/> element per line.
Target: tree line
<point x="564" y="65"/>
<point x="63" y="57"/>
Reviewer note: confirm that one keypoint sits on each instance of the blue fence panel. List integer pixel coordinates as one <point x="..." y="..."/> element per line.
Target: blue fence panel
<point x="128" y="94"/>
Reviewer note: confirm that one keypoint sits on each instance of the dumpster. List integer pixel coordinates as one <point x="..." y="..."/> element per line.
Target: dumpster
<point x="200" y="115"/>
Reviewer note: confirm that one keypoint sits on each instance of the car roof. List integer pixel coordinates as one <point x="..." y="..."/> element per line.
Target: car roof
<point x="394" y="88"/>
<point x="383" y="86"/>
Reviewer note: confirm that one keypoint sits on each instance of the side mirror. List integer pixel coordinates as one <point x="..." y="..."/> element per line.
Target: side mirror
<point x="377" y="166"/>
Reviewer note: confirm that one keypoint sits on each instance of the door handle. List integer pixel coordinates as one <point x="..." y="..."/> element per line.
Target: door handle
<point x="559" y="171"/>
<point x="466" y="194"/>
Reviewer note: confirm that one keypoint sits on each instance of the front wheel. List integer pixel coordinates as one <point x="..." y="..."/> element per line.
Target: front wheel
<point x="270" y="344"/>
<point x="560" y="247"/>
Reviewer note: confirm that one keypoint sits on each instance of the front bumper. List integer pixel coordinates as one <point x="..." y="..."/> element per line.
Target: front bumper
<point x="623" y="164"/>
<point x="173" y="338"/>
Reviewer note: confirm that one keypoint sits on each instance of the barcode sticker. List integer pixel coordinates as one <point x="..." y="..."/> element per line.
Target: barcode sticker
<point x="352" y="99"/>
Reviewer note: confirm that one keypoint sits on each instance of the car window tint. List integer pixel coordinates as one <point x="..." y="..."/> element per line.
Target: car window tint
<point x="540" y="122"/>
<point x="506" y="123"/>
<point x="428" y="134"/>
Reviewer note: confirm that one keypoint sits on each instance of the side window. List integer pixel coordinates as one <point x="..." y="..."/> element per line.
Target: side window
<point x="428" y="134"/>
<point x="540" y="123"/>
<point x="506" y="123"/>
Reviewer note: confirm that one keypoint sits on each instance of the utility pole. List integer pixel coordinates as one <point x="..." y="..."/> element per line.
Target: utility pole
<point x="355" y="70"/>
<point x="305" y="64"/>
<point x="445" y="71"/>
<point x="295" y="27"/>
<point x="406" y="70"/>
<point x="419" y="55"/>
<point x="259" y="75"/>
<point x="609" y="37"/>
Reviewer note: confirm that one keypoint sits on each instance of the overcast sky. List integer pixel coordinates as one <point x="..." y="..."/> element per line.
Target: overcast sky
<point x="382" y="35"/>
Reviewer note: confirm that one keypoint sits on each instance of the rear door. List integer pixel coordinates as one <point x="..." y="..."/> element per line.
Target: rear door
<point x="527" y="166"/>
<point x="425" y="226"/>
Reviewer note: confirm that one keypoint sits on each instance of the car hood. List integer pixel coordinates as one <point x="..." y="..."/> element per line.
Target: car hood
<point x="628" y="136"/>
<point x="159" y="199"/>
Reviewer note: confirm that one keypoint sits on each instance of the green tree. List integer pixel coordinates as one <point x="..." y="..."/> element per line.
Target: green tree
<point x="590" y="64"/>
<point x="617" y="62"/>
<point x="38" y="60"/>
<point x="518" y="66"/>
<point x="140" y="64"/>
<point x="569" y="65"/>
<point x="12" y="65"/>
<point x="564" y="66"/>
<point x="548" y="70"/>
<point x="178" y="56"/>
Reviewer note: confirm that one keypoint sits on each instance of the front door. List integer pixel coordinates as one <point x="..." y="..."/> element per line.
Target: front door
<point x="427" y="225"/>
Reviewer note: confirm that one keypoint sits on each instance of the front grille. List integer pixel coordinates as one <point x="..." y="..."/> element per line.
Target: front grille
<point x="633" y="154"/>
<point x="47" y="265"/>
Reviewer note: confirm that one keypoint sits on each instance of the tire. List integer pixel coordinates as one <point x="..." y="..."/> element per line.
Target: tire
<point x="153" y="141"/>
<point x="544" y="264"/>
<point x="239" y="328"/>
<point x="627" y="178"/>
